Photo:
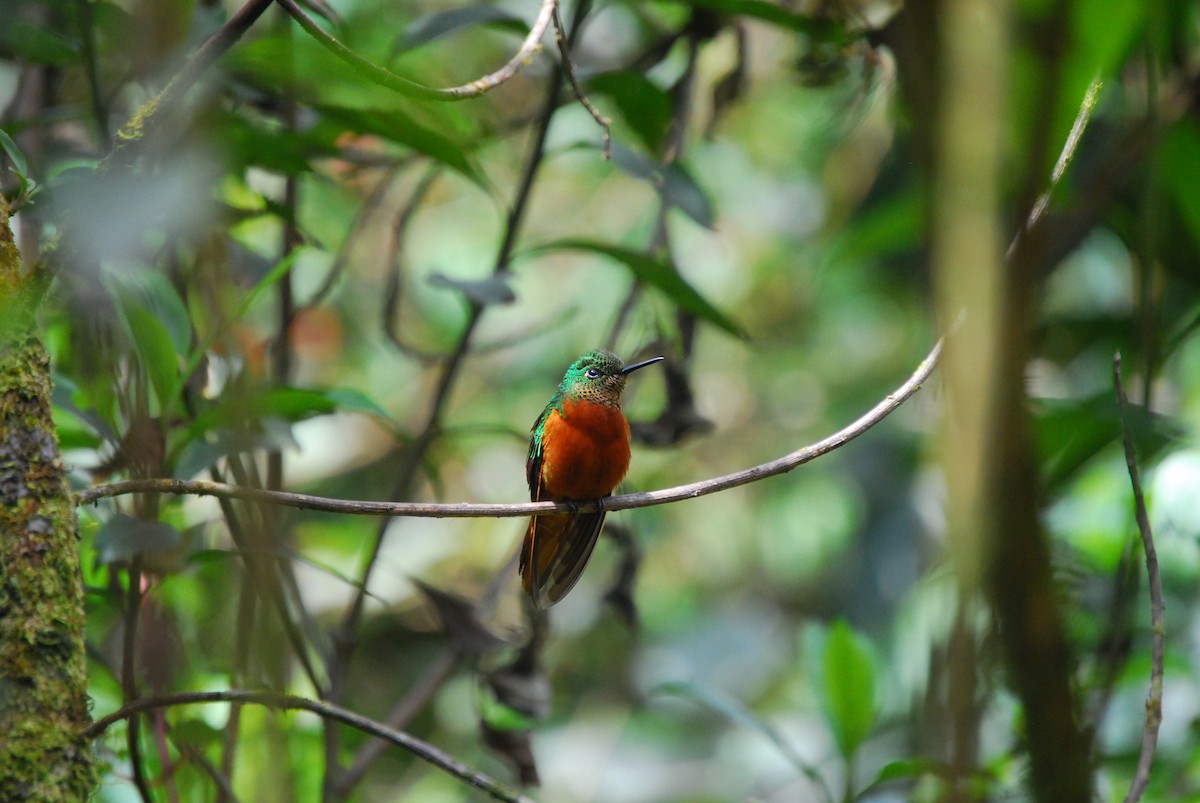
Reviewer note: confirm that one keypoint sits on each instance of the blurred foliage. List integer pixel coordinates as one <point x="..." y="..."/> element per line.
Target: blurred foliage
<point x="305" y="280"/>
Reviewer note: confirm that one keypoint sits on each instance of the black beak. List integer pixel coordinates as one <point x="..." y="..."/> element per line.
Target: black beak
<point x="631" y="368"/>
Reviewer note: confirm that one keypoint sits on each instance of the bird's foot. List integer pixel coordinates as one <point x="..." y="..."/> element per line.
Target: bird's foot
<point x="573" y="504"/>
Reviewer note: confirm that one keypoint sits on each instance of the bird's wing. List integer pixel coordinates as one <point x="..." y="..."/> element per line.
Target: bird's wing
<point x="557" y="546"/>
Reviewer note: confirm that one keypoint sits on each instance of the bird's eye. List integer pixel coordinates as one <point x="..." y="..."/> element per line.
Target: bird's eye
<point x="592" y="373"/>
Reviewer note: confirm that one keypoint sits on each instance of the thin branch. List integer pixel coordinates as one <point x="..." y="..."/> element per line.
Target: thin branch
<point x="362" y="221"/>
<point x="394" y="259"/>
<point x="568" y="67"/>
<point x="1053" y="236"/>
<point x="1141" y="777"/>
<point x="404" y="711"/>
<point x="1066" y="155"/>
<point x="421" y="749"/>
<point x="129" y="689"/>
<point x="410" y="88"/>
<point x="679" y="493"/>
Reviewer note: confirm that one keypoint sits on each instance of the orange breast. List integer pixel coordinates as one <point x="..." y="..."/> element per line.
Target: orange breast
<point x="585" y="451"/>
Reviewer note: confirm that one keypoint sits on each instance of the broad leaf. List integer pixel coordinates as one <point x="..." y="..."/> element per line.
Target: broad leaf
<point x="444" y="23"/>
<point x="674" y="184"/>
<point x="152" y="290"/>
<point x="1070" y="432"/>
<point x="14" y="153"/>
<point x="645" y="107"/>
<point x="658" y="273"/>
<point x="849" y="687"/>
<point x="778" y="15"/>
<point x="904" y="769"/>
<point x="37" y="43"/>
<point x="153" y="345"/>
<point x="492" y="290"/>
<point x="123" y="537"/>
<point x="396" y="126"/>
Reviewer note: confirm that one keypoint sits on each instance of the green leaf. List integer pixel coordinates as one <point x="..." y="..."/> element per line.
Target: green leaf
<point x="1104" y="32"/>
<point x="123" y="537"/>
<point x="197" y="354"/>
<point x="657" y="273"/>
<point x="904" y="769"/>
<point x="222" y="430"/>
<point x="683" y="193"/>
<point x="14" y="153"/>
<point x="1179" y="165"/>
<point x="503" y="718"/>
<point x="1070" y="432"/>
<point x="153" y="345"/>
<point x="349" y="400"/>
<point x="673" y="183"/>
<point x="152" y="290"/>
<point x="849" y="688"/>
<point x="195" y="732"/>
<point x="492" y="290"/>
<point x="199" y="454"/>
<point x="444" y="23"/>
<point x="37" y="43"/>
<point x="290" y="404"/>
<point x="816" y="27"/>
<point x="396" y="126"/>
<point x="251" y="142"/>
<point x="20" y="168"/>
<point x="645" y="107"/>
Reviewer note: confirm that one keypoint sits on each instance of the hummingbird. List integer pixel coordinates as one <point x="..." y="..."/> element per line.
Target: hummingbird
<point x="578" y="451"/>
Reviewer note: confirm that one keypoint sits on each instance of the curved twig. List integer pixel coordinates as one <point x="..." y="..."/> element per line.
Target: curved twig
<point x="405" y="86"/>
<point x="418" y="747"/>
<point x="780" y="465"/>
<point x="1141" y="777"/>
<point x="568" y="67"/>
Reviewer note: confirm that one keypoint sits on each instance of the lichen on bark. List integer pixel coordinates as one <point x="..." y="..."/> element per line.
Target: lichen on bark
<point x="43" y="671"/>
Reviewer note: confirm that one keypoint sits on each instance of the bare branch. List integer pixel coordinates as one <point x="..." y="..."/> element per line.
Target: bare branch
<point x="418" y="747"/>
<point x="780" y="465"/>
<point x="568" y="67"/>
<point x="1141" y="777"/>
<point x="405" y="86"/>
<point x="1082" y="117"/>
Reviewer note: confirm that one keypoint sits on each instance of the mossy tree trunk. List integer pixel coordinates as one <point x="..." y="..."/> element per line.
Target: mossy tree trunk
<point x="43" y="676"/>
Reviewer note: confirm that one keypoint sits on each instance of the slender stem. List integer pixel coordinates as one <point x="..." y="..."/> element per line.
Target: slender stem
<point x="129" y="690"/>
<point x="1071" y="144"/>
<point x="413" y="703"/>
<point x="1141" y="778"/>
<point x="281" y="348"/>
<point x="421" y="749"/>
<point x="568" y="67"/>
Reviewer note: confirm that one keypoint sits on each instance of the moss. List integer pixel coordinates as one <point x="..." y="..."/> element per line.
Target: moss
<point x="43" y="672"/>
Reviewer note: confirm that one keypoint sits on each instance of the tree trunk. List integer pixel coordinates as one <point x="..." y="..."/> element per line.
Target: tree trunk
<point x="43" y="673"/>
